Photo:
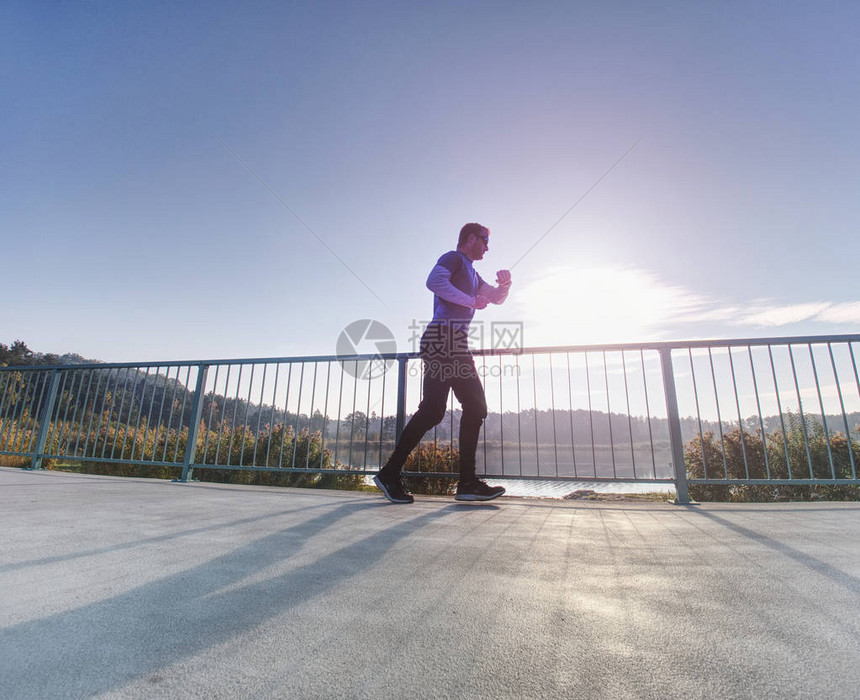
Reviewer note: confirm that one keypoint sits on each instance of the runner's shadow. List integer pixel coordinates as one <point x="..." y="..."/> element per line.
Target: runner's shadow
<point x="106" y="644"/>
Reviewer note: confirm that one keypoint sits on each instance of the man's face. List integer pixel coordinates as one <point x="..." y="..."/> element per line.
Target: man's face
<point x="479" y="243"/>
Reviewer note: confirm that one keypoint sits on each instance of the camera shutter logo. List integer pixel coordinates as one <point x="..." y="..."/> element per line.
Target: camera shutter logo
<point x="365" y="337"/>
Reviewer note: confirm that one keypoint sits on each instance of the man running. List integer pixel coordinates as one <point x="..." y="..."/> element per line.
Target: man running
<point x="458" y="290"/>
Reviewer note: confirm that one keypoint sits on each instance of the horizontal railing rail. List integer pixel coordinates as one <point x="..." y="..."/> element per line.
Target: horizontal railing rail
<point x="762" y="411"/>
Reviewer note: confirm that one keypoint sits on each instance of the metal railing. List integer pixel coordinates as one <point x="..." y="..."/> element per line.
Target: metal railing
<point x="772" y="411"/>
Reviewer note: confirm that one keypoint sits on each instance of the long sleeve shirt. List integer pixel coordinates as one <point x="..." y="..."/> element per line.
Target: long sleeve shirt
<point x="456" y="285"/>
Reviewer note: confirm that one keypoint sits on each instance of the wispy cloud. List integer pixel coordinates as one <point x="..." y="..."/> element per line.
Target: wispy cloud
<point x="621" y="304"/>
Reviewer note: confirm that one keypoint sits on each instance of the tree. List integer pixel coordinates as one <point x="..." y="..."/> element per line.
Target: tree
<point x="18" y="354"/>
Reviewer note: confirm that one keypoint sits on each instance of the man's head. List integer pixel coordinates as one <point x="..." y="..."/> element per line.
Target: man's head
<point x="474" y="241"/>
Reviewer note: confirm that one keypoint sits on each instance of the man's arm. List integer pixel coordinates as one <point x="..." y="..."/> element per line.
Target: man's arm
<point x="496" y="295"/>
<point x="439" y="282"/>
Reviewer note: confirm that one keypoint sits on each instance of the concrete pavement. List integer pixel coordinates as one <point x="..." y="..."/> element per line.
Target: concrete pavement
<point x="133" y="588"/>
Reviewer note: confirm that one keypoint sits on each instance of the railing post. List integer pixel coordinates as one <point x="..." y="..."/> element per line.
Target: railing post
<point x="675" y="440"/>
<point x="401" y="397"/>
<point x="194" y="425"/>
<point x="45" y="421"/>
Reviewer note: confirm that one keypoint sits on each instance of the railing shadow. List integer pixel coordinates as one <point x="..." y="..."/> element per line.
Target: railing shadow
<point x="846" y="580"/>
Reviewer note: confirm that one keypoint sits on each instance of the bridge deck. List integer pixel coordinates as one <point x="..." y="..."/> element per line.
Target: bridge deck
<point x="139" y="588"/>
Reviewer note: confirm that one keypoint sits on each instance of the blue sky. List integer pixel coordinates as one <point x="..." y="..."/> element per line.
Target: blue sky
<point x="142" y="144"/>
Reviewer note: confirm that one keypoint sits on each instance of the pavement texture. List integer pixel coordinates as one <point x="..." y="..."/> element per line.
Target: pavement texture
<point x="133" y="588"/>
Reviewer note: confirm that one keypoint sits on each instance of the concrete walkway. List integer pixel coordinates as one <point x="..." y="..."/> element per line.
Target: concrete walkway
<point x="132" y="588"/>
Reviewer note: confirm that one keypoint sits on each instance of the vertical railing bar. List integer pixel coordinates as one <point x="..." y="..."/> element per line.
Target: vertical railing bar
<point x="170" y="417"/>
<point x="130" y="412"/>
<point x="15" y="400"/>
<point x="43" y="389"/>
<point x="173" y="401"/>
<point x="325" y="419"/>
<point x="298" y="417"/>
<point x="235" y="414"/>
<point x="159" y="429"/>
<point x="758" y="408"/>
<point x="339" y="415"/>
<point x="245" y="419"/>
<point x="400" y="408"/>
<point x="519" y="413"/>
<point x="648" y="411"/>
<point x="260" y="415"/>
<point x="223" y="417"/>
<point x="698" y="411"/>
<point x="484" y="431"/>
<point x="38" y="412"/>
<point x="85" y="375"/>
<point x="844" y="415"/>
<point x="272" y="416"/>
<point x="119" y="413"/>
<point x="89" y="376"/>
<point x="17" y="408"/>
<point x="98" y="376"/>
<point x="45" y="421"/>
<point x="182" y="412"/>
<point x="6" y="379"/>
<point x="36" y="395"/>
<point x="609" y="415"/>
<point x="779" y="408"/>
<point x="673" y="419"/>
<point x="59" y="426"/>
<point x="140" y="412"/>
<point x="193" y="419"/>
<point x="800" y="409"/>
<point x="155" y="380"/>
<point x="719" y="414"/>
<point x="740" y="419"/>
<point x="552" y="407"/>
<point x="629" y="417"/>
<point x="121" y="395"/>
<point x="21" y="407"/>
<point x="112" y="395"/>
<point x="590" y="415"/>
<point x="823" y="414"/>
<point x="5" y="403"/>
<point x="352" y="421"/>
<point x="854" y="365"/>
<point x="501" y="416"/>
<point x="311" y="415"/>
<point x="284" y="426"/>
<point x="64" y="425"/>
<point x="366" y="411"/>
<point x="381" y="413"/>
<point x="570" y="405"/>
<point x="534" y="396"/>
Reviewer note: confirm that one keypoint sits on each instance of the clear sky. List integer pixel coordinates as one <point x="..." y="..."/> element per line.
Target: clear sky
<point x="151" y="154"/>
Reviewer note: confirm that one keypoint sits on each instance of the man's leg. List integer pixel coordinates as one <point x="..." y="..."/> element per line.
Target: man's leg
<point x="470" y="393"/>
<point x="430" y="412"/>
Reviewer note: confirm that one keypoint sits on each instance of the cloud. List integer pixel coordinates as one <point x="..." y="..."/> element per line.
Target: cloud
<point x="847" y="312"/>
<point x="782" y="315"/>
<point x="606" y="304"/>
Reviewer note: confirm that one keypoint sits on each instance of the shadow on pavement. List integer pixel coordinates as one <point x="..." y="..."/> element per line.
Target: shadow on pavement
<point x="145" y="629"/>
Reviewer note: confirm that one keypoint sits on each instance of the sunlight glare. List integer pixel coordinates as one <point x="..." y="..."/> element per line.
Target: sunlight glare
<point x="569" y="306"/>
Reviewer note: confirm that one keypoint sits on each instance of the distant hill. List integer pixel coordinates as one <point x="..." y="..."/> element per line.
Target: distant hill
<point x="19" y="355"/>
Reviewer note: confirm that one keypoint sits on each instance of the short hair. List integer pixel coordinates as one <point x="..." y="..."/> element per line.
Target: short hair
<point x="470" y="229"/>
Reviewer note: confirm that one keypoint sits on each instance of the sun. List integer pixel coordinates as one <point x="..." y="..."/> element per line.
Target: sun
<point x="575" y="306"/>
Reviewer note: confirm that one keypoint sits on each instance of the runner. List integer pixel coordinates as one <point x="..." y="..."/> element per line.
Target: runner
<point x="458" y="290"/>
